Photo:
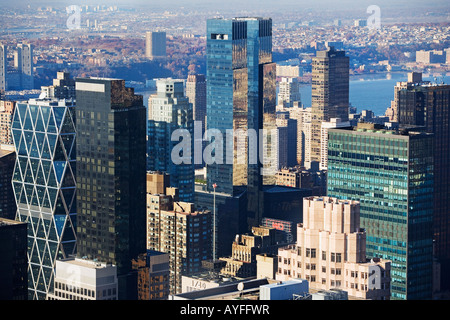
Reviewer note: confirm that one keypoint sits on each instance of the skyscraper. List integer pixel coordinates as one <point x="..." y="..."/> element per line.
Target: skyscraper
<point x="330" y="93"/>
<point x="168" y="111"/>
<point x="7" y="202"/>
<point x="111" y="159"/>
<point x="25" y="65"/>
<point x="426" y="104"/>
<point x="3" y="67"/>
<point x="155" y="44"/>
<point x="13" y="260"/>
<point x="44" y="186"/>
<point x="241" y="96"/>
<point x="289" y="92"/>
<point x="391" y="174"/>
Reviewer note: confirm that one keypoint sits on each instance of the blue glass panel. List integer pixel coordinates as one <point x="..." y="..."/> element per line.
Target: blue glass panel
<point x="34" y="152"/>
<point x="22" y="146"/>
<point x="51" y="125"/>
<point x="52" y="142"/>
<point x="59" y="219"/>
<point x="16" y="120"/>
<point x="59" y="169"/>
<point x="28" y="139"/>
<point x="52" y="195"/>
<point x="59" y="114"/>
<point x="22" y="110"/>
<point x="45" y="115"/>
<point x="39" y="124"/>
<point x="33" y="112"/>
<point x="28" y="125"/>
<point x="16" y="133"/>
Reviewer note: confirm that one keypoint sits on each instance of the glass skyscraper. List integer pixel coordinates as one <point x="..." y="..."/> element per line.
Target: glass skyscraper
<point x="241" y="95"/>
<point x="44" y="186"/>
<point x="111" y="175"/>
<point x="391" y="174"/>
<point x="170" y="110"/>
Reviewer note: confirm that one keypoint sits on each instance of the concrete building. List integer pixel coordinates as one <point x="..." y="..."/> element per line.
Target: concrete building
<point x="285" y="290"/>
<point x="300" y="177"/>
<point x="176" y="228"/>
<point x="153" y="274"/>
<point x="13" y="260"/>
<point x="287" y="140"/>
<point x="333" y="123"/>
<point x="245" y="248"/>
<point x="63" y="87"/>
<point x="289" y="71"/>
<point x="196" y="93"/>
<point x="3" y="67"/>
<point x="329" y="97"/>
<point x="331" y="251"/>
<point x="155" y="44"/>
<point x="82" y="279"/>
<point x="288" y="92"/>
<point x="6" y="119"/>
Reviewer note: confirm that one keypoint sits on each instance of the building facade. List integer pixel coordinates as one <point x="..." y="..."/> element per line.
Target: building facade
<point x="111" y="161"/>
<point x="169" y="112"/>
<point x="427" y="105"/>
<point x="331" y="251"/>
<point x="13" y="260"/>
<point x="6" y="114"/>
<point x="391" y="174"/>
<point x="8" y="205"/>
<point x="241" y="96"/>
<point x="330" y="93"/>
<point x="44" y="186"/>
<point x="82" y="279"/>
<point x="155" y="44"/>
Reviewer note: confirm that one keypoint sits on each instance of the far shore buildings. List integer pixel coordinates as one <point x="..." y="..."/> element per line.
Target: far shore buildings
<point x="331" y="252"/>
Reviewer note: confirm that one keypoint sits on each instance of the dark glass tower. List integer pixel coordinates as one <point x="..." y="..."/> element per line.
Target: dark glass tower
<point x="241" y="95"/>
<point x="111" y="166"/>
<point x="391" y="174"/>
<point x="330" y="93"/>
<point x="428" y="105"/>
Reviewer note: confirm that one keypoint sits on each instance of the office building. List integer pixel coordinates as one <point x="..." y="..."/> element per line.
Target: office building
<point x="63" y="87"/>
<point x="13" y="260"/>
<point x="153" y="275"/>
<point x="169" y="112"/>
<point x="44" y="186"/>
<point x="426" y="104"/>
<point x="111" y="187"/>
<point x="3" y="67"/>
<point x="196" y="92"/>
<point x="299" y="177"/>
<point x="6" y="114"/>
<point x="82" y="279"/>
<point x="391" y="174"/>
<point x="333" y="123"/>
<point x="8" y="205"/>
<point x="287" y="140"/>
<point x="245" y="248"/>
<point x="331" y="251"/>
<point x="288" y="92"/>
<point x="329" y="97"/>
<point x="177" y="228"/>
<point x="241" y="96"/>
<point x="24" y="65"/>
<point x="155" y="44"/>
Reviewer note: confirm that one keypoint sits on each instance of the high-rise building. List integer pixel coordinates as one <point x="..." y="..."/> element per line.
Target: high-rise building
<point x="153" y="275"/>
<point x="241" y="96"/>
<point x="8" y="205"/>
<point x="196" y="92"/>
<point x="111" y="160"/>
<point x="82" y="279"/>
<point x="169" y="111"/>
<point x="3" y="67"/>
<point x="333" y="123"/>
<point x="288" y="92"/>
<point x="13" y="260"/>
<point x="391" y="174"/>
<point x="176" y="228"/>
<point x="6" y="114"/>
<point x="44" y="186"/>
<point x="427" y="105"/>
<point x="330" y="93"/>
<point x="155" y="44"/>
<point x="330" y="252"/>
<point x="287" y="140"/>
<point x="63" y="87"/>
<point x="25" y="65"/>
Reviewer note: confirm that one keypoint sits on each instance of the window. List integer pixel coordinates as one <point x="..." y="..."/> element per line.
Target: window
<point x="324" y="255"/>
<point x="313" y="253"/>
